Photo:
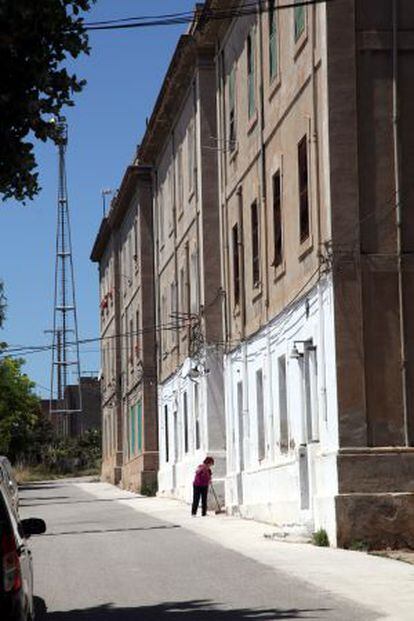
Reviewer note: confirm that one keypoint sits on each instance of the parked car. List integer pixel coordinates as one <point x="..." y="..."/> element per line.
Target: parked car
<point x="10" y="483"/>
<point x="16" y="570"/>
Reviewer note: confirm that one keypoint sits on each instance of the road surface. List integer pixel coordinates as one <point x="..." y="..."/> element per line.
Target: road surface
<point x="105" y="561"/>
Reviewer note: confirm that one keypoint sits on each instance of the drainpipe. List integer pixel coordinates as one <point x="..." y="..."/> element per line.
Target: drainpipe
<point x="315" y="145"/>
<point x="241" y="265"/>
<point x="263" y="219"/>
<point x="155" y="218"/>
<point x="174" y="214"/>
<point x="398" y="212"/>
<point x="222" y="133"/>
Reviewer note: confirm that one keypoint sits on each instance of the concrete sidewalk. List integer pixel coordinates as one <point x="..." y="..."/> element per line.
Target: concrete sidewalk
<point x="385" y="586"/>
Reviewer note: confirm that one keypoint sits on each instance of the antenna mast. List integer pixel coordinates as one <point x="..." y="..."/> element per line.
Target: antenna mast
<point x="65" y="369"/>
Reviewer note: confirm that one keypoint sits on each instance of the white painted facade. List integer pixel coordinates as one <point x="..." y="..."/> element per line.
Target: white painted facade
<point x="281" y="419"/>
<point x="191" y="425"/>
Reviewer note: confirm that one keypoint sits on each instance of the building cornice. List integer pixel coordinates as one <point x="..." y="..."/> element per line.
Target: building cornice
<point x="133" y="176"/>
<point x="191" y="51"/>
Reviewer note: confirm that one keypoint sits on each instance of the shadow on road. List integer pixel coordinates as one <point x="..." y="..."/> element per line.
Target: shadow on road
<point x="108" y="530"/>
<point x="195" y="610"/>
<point x="75" y="502"/>
<point x="39" y="485"/>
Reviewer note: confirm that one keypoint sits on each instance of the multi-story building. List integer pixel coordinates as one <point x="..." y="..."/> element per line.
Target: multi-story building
<point x="313" y="115"/>
<point x="124" y="250"/>
<point x="181" y="145"/>
<point x="280" y="150"/>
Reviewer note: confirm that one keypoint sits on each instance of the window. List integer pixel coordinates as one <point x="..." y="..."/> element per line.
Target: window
<point x="255" y="244"/>
<point x="161" y="214"/>
<point x="273" y="59"/>
<point x="132" y="436"/>
<point x="180" y="180"/>
<point x="173" y="306"/>
<point x="136" y="241"/>
<point x="163" y="332"/>
<point x="138" y="335"/>
<point x="232" y="109"/>
<point x="131" y="341"/>
<point x="283" y="410"/>
<point x="251" y="75"/>
<point x="166" y="436"/>
<point x="185" y="414"/>
<point x="299" y="21"/>
<point x="183" y="291"/>
<point x="240" y="423"/>
<point x="197" y="416"/>
<point x="194" y="283"/>
<point x="277" y="220"/>
<point x="139" y="425"/>
<point x="190" y="155"/>
<point x="236" y="264"/>
<point x="260" y="415"/>
<point x="303" y="190"/>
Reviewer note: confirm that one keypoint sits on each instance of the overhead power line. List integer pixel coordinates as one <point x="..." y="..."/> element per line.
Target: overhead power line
<point x="174" y="19"/>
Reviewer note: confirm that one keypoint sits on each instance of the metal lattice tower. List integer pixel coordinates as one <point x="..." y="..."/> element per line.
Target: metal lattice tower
<point x="65" y="369"/>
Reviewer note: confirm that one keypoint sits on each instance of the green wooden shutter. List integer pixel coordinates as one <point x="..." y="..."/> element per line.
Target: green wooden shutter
<point x="139" y="425"/>
<point x="272" y="43"/>
<point x="132" y="438"/>
<point x="299" y="21"/>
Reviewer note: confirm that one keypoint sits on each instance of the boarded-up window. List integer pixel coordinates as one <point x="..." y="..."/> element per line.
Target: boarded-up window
<point x="283" y="409"/>
<point x="185" y="413"/>
<point x="303" y="189"/>
<point x="255" y="244"/>
<point x="166" y="434"/>
<point x="260" y="415"/>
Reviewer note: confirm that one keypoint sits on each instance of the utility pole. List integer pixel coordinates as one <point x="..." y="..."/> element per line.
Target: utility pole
<point x="65" y="349"/>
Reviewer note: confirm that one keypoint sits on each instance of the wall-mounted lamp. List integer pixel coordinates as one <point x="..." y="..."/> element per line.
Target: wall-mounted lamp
<point x="307" y="346"/>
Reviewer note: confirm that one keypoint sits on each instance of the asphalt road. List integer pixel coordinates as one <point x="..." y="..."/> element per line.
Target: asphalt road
<point x="101" y="560"/>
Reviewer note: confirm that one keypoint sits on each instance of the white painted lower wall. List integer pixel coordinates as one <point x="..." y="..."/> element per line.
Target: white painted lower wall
<point x="183" y="445"/>
<point x="281" y="452"/>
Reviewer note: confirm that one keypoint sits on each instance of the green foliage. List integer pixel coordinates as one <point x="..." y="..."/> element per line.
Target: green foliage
<point x="149" y="489"/>
<point x="64" y="455"/>
<point x="320" y="538"/>
<point x="23" y="428"/>
<point x="358" y="545"/>
<point x="35" y="39"/>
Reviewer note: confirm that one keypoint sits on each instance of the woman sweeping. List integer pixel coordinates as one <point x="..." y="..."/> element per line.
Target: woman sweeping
<point x="201" y="482"/>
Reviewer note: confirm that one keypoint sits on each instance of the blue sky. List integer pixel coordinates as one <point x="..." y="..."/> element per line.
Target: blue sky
<point x="124" y="73"/>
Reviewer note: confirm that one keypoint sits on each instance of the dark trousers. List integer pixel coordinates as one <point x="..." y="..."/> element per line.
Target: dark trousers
<point x="199" y="491"/>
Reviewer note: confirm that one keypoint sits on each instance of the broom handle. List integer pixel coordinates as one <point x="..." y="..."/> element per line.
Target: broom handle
<point x="215" y="496"/>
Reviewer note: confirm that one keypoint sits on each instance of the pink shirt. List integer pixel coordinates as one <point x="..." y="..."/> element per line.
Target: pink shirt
<point x="202" y="475"/>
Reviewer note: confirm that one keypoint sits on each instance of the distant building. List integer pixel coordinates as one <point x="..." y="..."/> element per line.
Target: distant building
<point x="77" y="423"/>
<point x="124" y="251"/>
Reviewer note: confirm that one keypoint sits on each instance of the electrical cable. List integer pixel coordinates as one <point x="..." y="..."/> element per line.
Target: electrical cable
<point x="185" y="18"/>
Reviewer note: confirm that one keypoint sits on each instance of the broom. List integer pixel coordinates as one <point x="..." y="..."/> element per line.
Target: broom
<point x="219" y="509"/>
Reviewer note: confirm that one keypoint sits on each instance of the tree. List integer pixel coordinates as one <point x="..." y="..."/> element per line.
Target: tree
<point x="35" y="39"/>
<point x="23" y="427"/>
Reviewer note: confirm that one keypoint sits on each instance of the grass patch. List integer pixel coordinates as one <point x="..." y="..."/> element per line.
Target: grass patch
<point x="358" y="545"/>
<point x="25" y="474"/>
<point x="320" y="538"/>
